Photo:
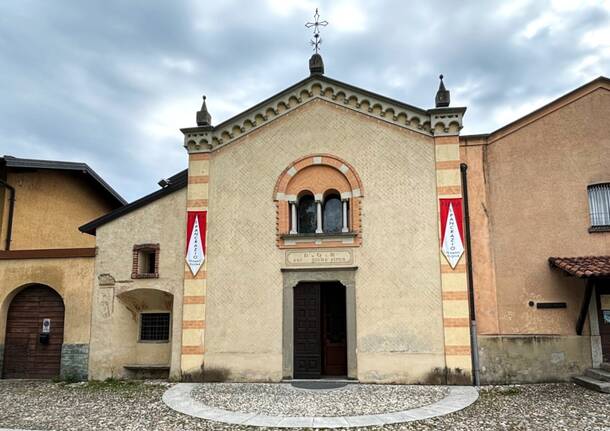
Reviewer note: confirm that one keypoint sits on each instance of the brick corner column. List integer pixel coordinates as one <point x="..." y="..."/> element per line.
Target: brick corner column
<point x="454" y="283"/>
<point x="195" y="287"/>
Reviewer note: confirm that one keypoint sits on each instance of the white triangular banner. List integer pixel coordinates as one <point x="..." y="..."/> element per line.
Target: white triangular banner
<point x="194" y="254"/>
<point x="453" y="248"/>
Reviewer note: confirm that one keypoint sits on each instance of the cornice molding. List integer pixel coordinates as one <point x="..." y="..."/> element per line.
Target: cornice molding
<point x="433" y="122"/>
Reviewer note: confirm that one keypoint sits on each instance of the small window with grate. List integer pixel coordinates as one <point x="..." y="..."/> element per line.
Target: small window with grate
<point x="154" y="326"/>
<point x="599" y="206"/>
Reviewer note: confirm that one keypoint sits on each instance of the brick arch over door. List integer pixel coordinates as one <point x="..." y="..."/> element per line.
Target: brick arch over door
<point x="318" y="174"/>
<point x="25" y="356"/>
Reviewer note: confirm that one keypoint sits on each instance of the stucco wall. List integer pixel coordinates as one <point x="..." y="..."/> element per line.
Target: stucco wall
<point x="532" y="359"/>
<point x="398" y="298"/>
<point x="71" y="278"/>
<point x="118" y="298"/>
<point x="474" y="154"/>
<point x="49" y="208"/>
<point x="538" y="207"/>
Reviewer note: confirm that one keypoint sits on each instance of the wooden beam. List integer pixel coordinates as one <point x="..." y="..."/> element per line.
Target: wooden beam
<point x="48" y="253"/>
<point x="584" y="308"/>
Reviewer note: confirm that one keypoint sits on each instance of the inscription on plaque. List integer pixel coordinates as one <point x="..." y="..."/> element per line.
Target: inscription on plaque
<point x="319" y="257"/>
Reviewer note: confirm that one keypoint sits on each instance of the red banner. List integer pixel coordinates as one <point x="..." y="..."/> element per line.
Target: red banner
<point x="452" y="230"/>
<point x="196" y="222"/>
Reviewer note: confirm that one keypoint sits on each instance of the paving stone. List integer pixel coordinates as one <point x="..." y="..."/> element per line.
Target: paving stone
<point x="285" y="400"/>
<point x="326" y="422"/>
<point x="40" y="405"/>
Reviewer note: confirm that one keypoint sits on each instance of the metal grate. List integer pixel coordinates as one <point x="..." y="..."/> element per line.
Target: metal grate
<point x="599" y="204"/>
<point x="154" y="327"/>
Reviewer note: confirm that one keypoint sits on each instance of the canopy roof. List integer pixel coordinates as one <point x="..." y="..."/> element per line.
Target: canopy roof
<point x="583" y="266"/>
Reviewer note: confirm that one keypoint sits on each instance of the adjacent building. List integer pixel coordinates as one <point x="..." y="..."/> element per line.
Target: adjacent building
<point x="538" y="190"/>
<point x="46" y="265"/>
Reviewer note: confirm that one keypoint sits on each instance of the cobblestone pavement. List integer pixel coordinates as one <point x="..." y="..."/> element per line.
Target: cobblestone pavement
<point x="285" y="400"/>
<point x="136" y="406"/>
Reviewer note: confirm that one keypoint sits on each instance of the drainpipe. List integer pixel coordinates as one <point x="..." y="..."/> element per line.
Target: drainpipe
<point x="11" y="209"/>
<point x="471" y="308"/>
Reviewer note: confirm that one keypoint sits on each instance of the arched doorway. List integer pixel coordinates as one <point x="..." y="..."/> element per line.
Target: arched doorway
<point x="34" y="334"/>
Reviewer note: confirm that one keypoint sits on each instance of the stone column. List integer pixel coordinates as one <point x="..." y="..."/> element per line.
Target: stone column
<point x="345" y="227"/>
<point x="319" y="216"/>
<point x="293" y="217"/>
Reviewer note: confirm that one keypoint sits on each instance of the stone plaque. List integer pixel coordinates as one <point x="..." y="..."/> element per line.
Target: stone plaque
<point x="604" y="302"/>
<point x="332" y="257"/>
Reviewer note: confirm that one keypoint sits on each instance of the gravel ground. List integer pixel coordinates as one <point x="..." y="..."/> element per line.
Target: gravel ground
<point x="130" y="406"/>
<point x="285" y="400"/>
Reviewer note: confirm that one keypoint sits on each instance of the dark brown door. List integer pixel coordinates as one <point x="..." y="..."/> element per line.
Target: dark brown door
<point x="603" y="306"/>
<point x="307" y="351"/>
<point x="25" y="356"/>
<point x="334" y="330"/>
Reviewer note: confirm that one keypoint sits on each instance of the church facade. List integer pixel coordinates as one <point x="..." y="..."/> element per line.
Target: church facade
<point x="334" y="242"/>
<point x="329" y="231"/>
<point x="322" y="254"/>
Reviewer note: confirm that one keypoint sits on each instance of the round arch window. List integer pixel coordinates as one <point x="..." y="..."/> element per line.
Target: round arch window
<point x="332" y="218"/>
<point x="306" y="222"/>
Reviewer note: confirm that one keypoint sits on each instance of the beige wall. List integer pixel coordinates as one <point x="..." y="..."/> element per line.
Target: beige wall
<point x="474" y="154"/>
<point x="118" y="298"/>
<point x="398" y="296"/>
<point x="71" y="278"/>
<point x="49" y="208"/>
<point x="536" y="178"/>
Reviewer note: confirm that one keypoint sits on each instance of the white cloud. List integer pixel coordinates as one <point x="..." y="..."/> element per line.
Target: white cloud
<point x="183" y="65"/>
<point x="503" y="115"/>
<point x="347" y="17"/>
<point x="290" y="7"/>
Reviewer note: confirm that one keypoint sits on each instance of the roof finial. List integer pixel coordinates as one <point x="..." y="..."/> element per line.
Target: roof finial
<point x="316" y="65"/>
<point x="203" y="116"/>
<point x="317" y="40"/>
<point x="442" y="95"/>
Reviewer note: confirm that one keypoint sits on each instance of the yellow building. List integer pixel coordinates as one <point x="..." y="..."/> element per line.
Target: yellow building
<point x="46" y="265"/>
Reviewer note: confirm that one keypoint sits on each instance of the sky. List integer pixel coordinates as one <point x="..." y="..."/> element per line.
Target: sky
<point x="111" y="82"/>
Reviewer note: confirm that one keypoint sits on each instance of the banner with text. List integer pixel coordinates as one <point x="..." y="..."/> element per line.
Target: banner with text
<point x="195" y="239"/>
<point x="452" y="232"/>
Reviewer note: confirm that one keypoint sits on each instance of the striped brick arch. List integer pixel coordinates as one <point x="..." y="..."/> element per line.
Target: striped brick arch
<point x="318" y="173"/>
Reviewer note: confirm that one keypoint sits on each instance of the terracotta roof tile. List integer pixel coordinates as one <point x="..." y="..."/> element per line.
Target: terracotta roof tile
<point x="583" y="266"/>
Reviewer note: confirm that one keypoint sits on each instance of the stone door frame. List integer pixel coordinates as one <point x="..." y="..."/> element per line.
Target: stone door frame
<point x="292" y="277"/>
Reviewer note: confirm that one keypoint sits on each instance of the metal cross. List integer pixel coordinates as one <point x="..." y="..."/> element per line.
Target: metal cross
<point x="317" y="40"/>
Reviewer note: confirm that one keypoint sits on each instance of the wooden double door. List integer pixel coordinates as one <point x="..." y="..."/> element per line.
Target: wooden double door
<point x="320" y="330"/>
<point x="31" y="352"/>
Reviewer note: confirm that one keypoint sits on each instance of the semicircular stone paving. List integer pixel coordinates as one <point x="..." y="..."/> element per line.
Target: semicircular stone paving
<point x="179" y="398"/>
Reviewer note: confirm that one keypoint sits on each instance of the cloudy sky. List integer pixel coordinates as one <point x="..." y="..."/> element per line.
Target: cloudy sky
<point x="111" y="82"/>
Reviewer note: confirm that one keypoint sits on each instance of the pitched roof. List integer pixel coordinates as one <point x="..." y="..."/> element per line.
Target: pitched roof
<point x="600" y="81"/>
<point x="15" y="162"/>
<point x="583" y="266"/>
<point x="174" y="183"/>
